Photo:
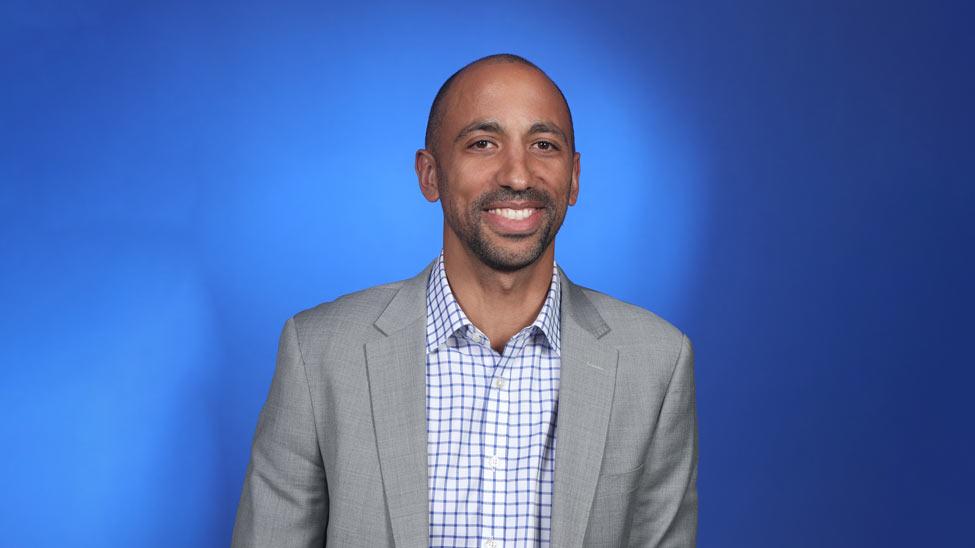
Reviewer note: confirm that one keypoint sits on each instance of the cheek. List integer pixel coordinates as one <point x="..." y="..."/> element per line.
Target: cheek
<point x="467" y="183"/>
<point x="557" y="171"/>
<point x="456" y="203"/>
<point x="475" y="180"/>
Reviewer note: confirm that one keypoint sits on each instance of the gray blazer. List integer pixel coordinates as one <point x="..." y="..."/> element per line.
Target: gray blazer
<point x="340" y="453"/>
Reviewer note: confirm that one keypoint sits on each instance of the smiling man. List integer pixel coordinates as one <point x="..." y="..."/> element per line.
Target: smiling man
<point x="488" y="401"/>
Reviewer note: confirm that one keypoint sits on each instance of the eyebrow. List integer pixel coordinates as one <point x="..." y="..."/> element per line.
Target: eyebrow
<point x="489" y="126"/>
<point x="492" y="126"/>
<point x="545" y="127"/>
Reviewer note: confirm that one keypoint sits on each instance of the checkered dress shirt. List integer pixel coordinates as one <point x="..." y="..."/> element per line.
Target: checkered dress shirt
<point x="490" y="425"/>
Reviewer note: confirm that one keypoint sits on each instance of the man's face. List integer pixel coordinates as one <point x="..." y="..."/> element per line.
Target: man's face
<point x="505" y="168"/>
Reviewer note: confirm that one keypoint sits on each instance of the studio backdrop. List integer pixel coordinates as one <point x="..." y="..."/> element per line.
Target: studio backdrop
<point x="788" y="183"/>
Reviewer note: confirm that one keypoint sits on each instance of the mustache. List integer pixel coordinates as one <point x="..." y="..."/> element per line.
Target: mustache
<point x="506" y="195"/>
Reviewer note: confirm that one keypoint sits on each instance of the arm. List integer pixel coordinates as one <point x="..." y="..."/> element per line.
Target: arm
<point x="285" y="500"/>
<point x="666" y="513"/>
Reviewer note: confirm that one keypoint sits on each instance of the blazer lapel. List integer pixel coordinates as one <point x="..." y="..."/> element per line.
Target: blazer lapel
<point x="395" y="367"/>
<point x="586" y="387"/>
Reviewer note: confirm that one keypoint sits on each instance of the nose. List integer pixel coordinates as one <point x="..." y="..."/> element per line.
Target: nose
<point x="515" y="173"/>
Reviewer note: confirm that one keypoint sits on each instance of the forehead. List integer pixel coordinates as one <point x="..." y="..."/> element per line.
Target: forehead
<point x="511" y="93"/>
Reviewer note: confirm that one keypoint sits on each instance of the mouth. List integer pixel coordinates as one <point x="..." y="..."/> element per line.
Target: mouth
<point x="514" y="219"/>
<point x="513" y="214"/>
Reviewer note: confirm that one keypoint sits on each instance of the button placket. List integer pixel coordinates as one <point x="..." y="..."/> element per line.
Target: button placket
<point x="495" y="447"/>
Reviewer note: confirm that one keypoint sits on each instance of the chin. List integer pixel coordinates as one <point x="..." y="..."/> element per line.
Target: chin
<point x="507" y="259"/>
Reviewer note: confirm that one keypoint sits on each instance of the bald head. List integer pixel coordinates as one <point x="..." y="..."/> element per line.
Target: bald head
<point x="440" y="102"/>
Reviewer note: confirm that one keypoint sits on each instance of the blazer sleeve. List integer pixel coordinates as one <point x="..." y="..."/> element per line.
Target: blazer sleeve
<point x="666" y="513"/>
<point x="285" y="497"/>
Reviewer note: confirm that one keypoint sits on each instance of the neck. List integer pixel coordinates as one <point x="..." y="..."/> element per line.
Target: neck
<point x="499" y="303"/>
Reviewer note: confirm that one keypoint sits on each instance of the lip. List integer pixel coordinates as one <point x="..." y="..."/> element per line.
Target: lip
<point x="512" y="204"/>
<point x="513" y="227"/>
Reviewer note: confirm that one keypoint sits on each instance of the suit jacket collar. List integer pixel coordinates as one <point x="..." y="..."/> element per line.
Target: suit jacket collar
<point x="395" y="366"/>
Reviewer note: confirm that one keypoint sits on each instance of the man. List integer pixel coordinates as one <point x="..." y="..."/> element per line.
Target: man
<point x="488" y="401"/>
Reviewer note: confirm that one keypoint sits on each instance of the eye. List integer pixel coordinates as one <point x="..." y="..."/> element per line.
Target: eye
<point x="546" y="146"/>
<point x="481" y="144"/>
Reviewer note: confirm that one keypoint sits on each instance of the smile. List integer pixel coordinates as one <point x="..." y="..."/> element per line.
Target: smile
<point x="513" y="214"/>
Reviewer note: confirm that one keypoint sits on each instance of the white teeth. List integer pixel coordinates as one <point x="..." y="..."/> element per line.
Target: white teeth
<point x="513" y="214"/>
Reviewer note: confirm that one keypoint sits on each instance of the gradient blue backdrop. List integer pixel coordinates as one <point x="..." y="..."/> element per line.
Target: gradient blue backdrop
<point x="790" y="183"/>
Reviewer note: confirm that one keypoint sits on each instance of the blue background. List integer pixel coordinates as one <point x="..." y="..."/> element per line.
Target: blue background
<point x="789" y="183"/>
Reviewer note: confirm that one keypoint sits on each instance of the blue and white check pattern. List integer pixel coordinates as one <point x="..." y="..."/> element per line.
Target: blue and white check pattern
<point x="490" y="425"/>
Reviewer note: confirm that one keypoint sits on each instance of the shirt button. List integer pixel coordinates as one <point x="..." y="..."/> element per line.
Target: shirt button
<point x="491" y="543"/>
<point x="493" y="462"/>
<point x="499" y="383"/>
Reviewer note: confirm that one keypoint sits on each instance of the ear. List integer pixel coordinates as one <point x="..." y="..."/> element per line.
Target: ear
<point x="574" y="186"/>
<point x="426" y="174"/>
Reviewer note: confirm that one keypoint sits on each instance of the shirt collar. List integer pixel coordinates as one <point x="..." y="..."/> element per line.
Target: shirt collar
<point x="445" y="317"/>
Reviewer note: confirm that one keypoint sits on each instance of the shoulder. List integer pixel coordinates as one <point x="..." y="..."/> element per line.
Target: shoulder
<point x="635" y="327"/>
<point x="347" y="318"/>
